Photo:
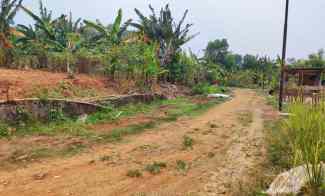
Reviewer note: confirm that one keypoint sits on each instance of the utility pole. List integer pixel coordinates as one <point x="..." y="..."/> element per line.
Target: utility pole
<point x="284" y="53"/>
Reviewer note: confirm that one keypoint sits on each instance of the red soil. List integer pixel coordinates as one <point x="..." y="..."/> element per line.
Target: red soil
<point x="22" y="82"/>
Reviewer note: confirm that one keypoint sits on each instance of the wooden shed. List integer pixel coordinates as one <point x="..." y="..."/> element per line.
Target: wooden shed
<point x="303" y="83"/>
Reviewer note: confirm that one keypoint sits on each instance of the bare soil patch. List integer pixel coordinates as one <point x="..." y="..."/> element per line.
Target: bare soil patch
<point x="24" y="82"/>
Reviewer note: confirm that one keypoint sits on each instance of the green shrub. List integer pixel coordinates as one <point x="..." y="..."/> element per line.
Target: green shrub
<point x="205" y="89"/>
<point x="106" y="114"/>
<point x="3" y="130"/>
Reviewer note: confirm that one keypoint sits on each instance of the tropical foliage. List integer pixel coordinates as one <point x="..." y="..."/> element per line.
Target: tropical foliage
<point x="150" y="52"/>
<point x="8" y="10"/>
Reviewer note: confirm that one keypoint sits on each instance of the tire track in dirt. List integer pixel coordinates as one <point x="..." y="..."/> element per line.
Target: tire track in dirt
<point x="236" y="150"/>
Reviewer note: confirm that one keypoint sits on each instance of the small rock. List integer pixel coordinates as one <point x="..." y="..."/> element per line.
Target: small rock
<point x="290" y="182"/>
<point x="83" y="118"/>
<point x="4" y="182"/>
<point x="92" y="162"/>
<point x="40" y="176"/>
<point x="21" y="158"/>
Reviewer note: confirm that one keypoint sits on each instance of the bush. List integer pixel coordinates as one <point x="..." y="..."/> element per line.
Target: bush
<point x="205" y="89"/>
<point x="242" y="79"/>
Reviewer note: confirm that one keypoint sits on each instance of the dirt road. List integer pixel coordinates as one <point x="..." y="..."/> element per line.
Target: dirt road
<point x="227" y="151"/>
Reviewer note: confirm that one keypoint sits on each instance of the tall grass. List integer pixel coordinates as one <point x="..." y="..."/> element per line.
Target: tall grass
<point x="305" y="129"/>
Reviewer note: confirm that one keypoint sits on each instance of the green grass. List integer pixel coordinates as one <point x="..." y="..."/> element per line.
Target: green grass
<point x="63" y="90"/>
<point x="176" y="108"/>
<point x="299" y="140"/>
<point x="205" y="89"/>
<point x="118" y="134"/>
<point x="20" y="156"/>
<point x="68" y="127"/>
<point x="306" y="133"/>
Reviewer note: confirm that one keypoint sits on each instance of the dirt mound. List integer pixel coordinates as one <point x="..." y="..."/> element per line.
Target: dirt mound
<point x="36" y="83"/>
<point x="23" y="83"/>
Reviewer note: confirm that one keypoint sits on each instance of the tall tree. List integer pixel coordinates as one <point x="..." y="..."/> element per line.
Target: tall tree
<point x="316" y="59"/>
<point x="217" y="51"/>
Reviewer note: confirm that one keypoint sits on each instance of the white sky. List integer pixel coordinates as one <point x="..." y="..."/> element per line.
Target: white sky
<point x="251" y="26"/>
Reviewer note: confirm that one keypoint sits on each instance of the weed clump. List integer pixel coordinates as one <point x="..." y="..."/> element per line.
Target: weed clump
<point x="134" y="173"/>
<point x="155" y="168"/>
<point x="188" y="142"/>
<point x="182" y="166"/>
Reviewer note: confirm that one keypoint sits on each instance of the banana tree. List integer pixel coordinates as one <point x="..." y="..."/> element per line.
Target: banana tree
<point x="58" y="35"/>
<point x="163" y="29"/>
<point x="43" y="26"/>
<point x="109" y="35"/>
<point x="8" y="11"/>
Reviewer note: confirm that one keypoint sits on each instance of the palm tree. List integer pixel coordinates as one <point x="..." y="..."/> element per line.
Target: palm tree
<point x="164" y="30"/>
<point x="111" y="34"/>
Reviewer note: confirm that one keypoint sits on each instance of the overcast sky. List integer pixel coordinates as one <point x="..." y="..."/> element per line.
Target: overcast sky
<point x="251" y="26"/>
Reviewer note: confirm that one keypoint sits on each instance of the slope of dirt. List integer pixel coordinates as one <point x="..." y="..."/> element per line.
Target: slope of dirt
<point x="30" y="83"/>
<point x="228" y="149"/>
<point x="23" y="82"/>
